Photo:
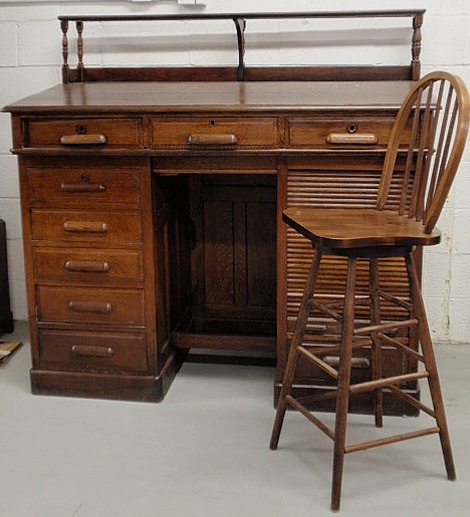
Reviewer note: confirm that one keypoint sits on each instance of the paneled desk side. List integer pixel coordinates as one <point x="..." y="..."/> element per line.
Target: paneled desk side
<point x="151" y="218"/>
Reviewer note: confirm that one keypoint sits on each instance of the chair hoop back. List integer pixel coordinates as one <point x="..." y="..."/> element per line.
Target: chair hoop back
<point x="436" y="114"/>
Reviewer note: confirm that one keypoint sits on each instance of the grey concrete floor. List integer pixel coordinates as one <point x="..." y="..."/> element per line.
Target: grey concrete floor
<point x="203" y="452"/>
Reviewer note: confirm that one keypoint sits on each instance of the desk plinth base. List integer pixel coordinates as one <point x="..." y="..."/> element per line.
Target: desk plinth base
<point x="138" y="388"/>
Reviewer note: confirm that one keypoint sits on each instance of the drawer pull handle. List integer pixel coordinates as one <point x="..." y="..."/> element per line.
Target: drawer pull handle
<point x="92" y="351"/>
<point x="95" y="307"/>
<point x="82" y="187"/>
<point x="85" y="227"/>
<point x="87" y="266"/>
<point x="208" y="140"/>
<point x="352" y="138"/>
<point x="86" y="139"/>
<point x="360" y="363"/>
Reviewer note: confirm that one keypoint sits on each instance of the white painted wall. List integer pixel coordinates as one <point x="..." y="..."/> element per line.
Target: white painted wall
<point x="30" y="57"/>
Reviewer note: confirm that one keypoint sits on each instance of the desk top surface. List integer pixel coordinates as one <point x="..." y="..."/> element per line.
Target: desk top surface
<point x="157" y="97"/>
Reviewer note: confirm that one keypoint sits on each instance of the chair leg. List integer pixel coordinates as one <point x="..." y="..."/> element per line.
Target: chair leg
<point x="376" y="350"/>
<point x="297" y="338"/>
<point x="344" y="381"/>
<point x="430" y="365"/>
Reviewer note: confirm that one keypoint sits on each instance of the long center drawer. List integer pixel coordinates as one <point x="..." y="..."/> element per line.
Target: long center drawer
<point x="215" y="132"/>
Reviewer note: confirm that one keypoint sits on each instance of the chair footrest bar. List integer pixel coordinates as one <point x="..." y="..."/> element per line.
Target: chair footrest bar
<point x="382" y="383"/>
<point x="307" y="400"/>
<point x="297" y="405"/>
<point x="397" y="301"/>
<point x="391" y="439"/>
<point x="323" y="350"/>
<point x="321" y="364"/>
<point x="386" y="326"/>
<point x="404" y="348"/>
<point x="411" y="400"/>
<point x="332" y="314"/>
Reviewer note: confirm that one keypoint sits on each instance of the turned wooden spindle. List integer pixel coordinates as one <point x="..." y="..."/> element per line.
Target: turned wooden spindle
<point x="416" y="47"/>
<point x="81" y="68"/>
<point x="64" y="25"/>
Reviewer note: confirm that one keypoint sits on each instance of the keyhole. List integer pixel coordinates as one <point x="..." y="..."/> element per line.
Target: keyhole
<point x="352" y="128"/>
<point x="81" y="129"/>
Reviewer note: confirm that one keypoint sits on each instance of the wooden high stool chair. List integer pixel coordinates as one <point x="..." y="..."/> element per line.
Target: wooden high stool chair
<point x="437" y="110"/>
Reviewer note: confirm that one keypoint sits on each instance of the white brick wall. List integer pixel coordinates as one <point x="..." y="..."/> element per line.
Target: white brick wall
<point x="30" y="61"/>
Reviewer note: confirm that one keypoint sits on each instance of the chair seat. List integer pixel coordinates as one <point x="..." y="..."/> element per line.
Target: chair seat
<point x="347" y="228"/>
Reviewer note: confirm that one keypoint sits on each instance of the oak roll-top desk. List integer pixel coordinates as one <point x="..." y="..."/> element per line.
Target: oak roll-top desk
<point x="151" y="209"/>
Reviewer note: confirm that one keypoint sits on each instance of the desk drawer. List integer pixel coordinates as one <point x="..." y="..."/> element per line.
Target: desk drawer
<point x="219" y="133"/>
<point x="60" y="350"/>
<point x="90" y="305"/>
<point x="99" y="226"/>
<point x="89" y="266"/>
<point x="85" y="132"/>
<point x="362" y="132"/>
<point x="82" y="186"/>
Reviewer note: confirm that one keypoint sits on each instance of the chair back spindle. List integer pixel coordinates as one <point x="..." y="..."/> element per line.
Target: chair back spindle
<point x="438" y="109"/>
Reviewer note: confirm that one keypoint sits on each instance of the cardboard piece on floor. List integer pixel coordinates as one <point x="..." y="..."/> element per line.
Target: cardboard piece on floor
<point x="7" y="348"/>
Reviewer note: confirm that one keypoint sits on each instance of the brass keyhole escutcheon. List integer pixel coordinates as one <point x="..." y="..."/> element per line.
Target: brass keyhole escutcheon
<point x="351" y="128"/>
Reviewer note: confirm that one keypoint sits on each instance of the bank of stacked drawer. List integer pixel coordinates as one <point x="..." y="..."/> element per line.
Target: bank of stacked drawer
<point x="86" y="247"/>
